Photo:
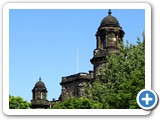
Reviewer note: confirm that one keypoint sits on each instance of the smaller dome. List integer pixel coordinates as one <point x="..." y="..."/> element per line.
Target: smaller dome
<point x="40" y="84"/>
<point x="109" y="21"/>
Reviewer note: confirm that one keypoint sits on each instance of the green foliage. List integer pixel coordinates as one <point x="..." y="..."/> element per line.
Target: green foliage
<point x="122" y="78"/>
<point x="118" y="84"/>
<point x="78" y="103"/>
<point x="18" y="103"/>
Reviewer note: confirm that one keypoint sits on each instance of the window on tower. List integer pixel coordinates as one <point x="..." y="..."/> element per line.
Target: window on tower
<point x="103" y="40"/>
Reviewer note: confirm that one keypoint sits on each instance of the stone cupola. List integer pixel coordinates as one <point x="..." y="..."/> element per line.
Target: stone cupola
<point x="109" y="36"/>
<point x="39" y="95"/>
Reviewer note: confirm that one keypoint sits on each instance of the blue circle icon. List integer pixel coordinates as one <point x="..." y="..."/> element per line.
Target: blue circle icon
<point x="147" y="99"/>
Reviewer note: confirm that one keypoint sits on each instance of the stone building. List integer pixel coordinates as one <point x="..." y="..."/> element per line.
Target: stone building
<point x="39" y="96"/>
<point x="74" y="85"/>
<point x="108" y="37"/>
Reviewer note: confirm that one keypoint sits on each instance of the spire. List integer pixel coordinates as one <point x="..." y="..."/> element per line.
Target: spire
<point x="39" y="78"/>
<point x="109" y="12"/>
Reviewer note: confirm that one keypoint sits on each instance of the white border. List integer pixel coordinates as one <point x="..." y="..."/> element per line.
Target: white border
<point x="8" y="6"/>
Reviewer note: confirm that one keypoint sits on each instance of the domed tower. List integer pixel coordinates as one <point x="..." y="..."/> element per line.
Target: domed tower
<point x="109" y="36"/>
<point x="39" y="96"/>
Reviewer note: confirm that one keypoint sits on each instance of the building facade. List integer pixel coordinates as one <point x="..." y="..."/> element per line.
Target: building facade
<point x="108" y="37"/>
<point x="74" y="85"/>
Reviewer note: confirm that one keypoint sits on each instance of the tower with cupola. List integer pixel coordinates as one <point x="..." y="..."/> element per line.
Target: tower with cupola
<point x="39" y="96"/>
<point x="109" y="37"/>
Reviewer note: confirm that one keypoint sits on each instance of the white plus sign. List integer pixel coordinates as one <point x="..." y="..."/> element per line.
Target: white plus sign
<point x="147" y="99"/>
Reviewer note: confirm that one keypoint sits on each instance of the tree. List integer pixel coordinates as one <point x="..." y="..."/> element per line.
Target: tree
<point x="78" y="103"/>
<point x="118" y="83"/>
<point x="122" y="78"/>
<point x="18" y="103"/>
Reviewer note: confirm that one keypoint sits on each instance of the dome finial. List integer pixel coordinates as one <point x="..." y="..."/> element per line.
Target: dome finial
<point x="39" y="78"/>
<point x="109" y="12"/>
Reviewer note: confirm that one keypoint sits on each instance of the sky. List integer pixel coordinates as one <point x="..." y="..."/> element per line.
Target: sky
<point x="44" y="43"/>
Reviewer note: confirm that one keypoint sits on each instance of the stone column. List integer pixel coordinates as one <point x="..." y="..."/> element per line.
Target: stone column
<point x="117" y="42"/>
<point x="106" y="40"/>
<point x="46" y="95"/>
<point x="99" y="43"/>
<point x="33" y="96"/>
<point x="41" y="95"/>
